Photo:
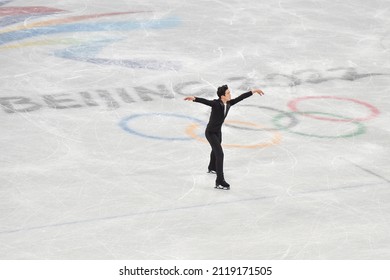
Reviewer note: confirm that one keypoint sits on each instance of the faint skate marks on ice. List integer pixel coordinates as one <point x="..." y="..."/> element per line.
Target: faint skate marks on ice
<point x="367" y="170"/>
<point x="209" y="83"/>
<point x="5" y="2"/>
<point x="190" y="190"/>
<point x="284" y="256"/>
<point x="125" y="216"/>
<point x="220" y="50"/>
<point x="385" y="42"/>
<point x="88" y="53"/>
<point x="293" y="14"/>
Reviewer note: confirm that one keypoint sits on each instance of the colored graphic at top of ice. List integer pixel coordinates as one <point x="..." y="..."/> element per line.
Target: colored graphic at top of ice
<point x="67" y="24"/>
<point x="65" y="20"/>
<point x="86" y="51"/>
<point x="14" y="15"/>
<point x="87" y="27"/>
<point x="7" y="11"/>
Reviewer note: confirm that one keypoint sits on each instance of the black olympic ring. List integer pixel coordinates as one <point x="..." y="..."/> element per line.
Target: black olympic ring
<point x="293" y="120"/>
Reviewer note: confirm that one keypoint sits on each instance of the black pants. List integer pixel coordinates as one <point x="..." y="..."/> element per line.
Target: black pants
<point x="216" y="156"/>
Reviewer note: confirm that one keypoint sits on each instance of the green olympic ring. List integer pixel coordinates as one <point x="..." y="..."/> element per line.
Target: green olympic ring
<point x="359" y="130"/>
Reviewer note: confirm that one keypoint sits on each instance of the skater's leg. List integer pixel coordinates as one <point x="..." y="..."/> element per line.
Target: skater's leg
<point x="217" y="152"/>
<point x="212" y="162"/>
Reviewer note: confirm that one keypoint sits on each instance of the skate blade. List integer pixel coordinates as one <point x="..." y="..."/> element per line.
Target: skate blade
<point x="222" y="188"/>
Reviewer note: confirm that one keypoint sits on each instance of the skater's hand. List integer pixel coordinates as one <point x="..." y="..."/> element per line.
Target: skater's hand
<point x="259" y="91"/>
<point x="189" y="98"/>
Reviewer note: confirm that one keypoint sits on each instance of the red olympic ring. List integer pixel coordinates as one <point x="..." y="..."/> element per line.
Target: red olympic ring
<point x="374" y="111"/>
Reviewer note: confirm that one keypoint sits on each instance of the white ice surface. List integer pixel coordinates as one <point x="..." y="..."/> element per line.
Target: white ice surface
<point x="76" y="185"/>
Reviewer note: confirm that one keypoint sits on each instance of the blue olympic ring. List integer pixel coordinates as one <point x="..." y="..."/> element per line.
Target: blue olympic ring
<point x="124" y="125"/>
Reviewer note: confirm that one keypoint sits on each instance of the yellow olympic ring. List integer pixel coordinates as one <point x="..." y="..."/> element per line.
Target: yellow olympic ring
<point x="276" y="139"/>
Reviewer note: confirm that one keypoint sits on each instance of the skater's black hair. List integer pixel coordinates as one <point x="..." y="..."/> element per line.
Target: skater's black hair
<point x="221" y="90"/>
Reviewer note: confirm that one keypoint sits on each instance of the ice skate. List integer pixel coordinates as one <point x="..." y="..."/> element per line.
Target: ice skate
<point x="223" y="185"/>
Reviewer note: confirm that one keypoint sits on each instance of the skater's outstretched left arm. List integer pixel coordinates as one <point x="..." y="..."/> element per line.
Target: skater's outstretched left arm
<point x="246" y="95"/>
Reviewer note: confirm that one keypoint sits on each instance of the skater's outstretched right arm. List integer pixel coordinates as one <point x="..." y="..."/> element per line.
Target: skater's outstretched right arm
<point x="199" y="100"/>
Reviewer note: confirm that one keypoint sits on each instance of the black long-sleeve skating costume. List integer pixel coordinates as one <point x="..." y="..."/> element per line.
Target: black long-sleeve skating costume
<point x="213" y="133"/>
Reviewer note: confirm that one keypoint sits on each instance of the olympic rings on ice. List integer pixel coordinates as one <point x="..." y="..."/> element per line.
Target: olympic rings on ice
<point x="279" y="123"/>
<point x="124" y="123"/>
<point x="293" y="120"/>
<point x="373" y="110"/>
<point x="360" y="128"/>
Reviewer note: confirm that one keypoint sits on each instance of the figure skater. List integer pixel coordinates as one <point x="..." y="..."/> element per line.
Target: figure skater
<point x="219" y="110"/>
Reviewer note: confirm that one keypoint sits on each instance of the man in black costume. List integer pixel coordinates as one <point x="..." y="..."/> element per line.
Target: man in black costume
<point x="219" y="110"/>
